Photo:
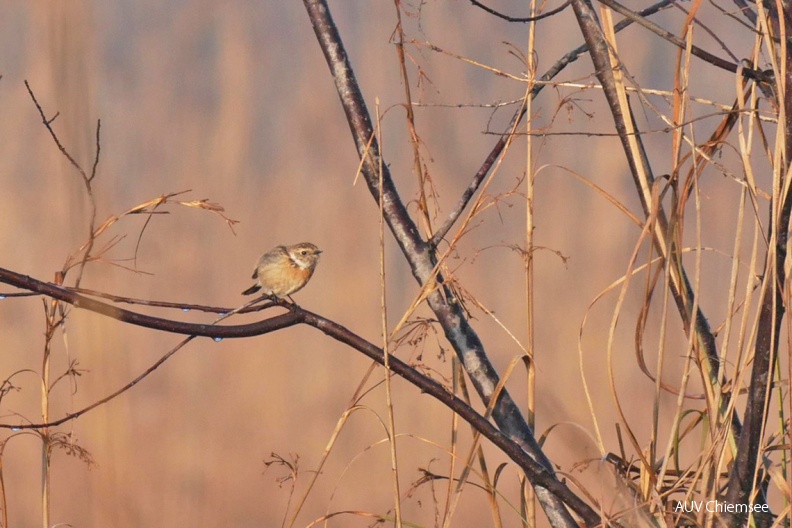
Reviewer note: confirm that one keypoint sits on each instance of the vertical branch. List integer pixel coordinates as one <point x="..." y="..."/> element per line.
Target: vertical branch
<point x="744" y="477"/>
<point x="55" y="312"/>
<point x="530" y="498"/>
<point x="51" y="309"/>
<point x="3" y="498"/>
<point x="386" y="349"/>
<point x="423" y="206"/>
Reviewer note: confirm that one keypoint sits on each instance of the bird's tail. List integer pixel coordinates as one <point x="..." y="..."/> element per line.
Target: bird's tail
<point x="253" y="289"/>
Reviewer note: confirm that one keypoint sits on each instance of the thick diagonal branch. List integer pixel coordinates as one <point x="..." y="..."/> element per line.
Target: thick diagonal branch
<point x="692" y="316"/>
<point x="421" y="258"/>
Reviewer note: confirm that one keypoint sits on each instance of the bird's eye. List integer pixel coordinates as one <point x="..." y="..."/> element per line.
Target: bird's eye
<point x="303" y="252"/>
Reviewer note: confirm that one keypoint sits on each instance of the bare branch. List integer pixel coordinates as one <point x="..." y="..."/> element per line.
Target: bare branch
<point x="757" y="75"/>
<point x="296" y="315"/>
<point x="87" y="181"/>
<point x="48" y="125"/>
<point x="423" y="262"/>
<point x="520" y="19"/>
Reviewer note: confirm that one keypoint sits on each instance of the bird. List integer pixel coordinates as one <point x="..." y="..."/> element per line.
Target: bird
<point x="284" y="270"/>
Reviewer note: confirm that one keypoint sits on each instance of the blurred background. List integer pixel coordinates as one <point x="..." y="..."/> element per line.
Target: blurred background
<point x="233" y="101"/>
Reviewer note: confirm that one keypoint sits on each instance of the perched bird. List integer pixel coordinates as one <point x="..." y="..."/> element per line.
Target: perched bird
<point x="284" y="270"/>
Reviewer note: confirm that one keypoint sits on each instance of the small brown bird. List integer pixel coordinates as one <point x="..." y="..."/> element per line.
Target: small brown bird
<point x="284" y="270"/>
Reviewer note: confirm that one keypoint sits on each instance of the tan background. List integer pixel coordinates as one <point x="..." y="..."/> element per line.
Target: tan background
<point x="234" y="101"/>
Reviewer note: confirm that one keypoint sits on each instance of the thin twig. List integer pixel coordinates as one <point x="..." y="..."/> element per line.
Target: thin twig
<point x="520" y="19"/>
<point x="48" y="126"/>
<point x="496" y="151"/>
